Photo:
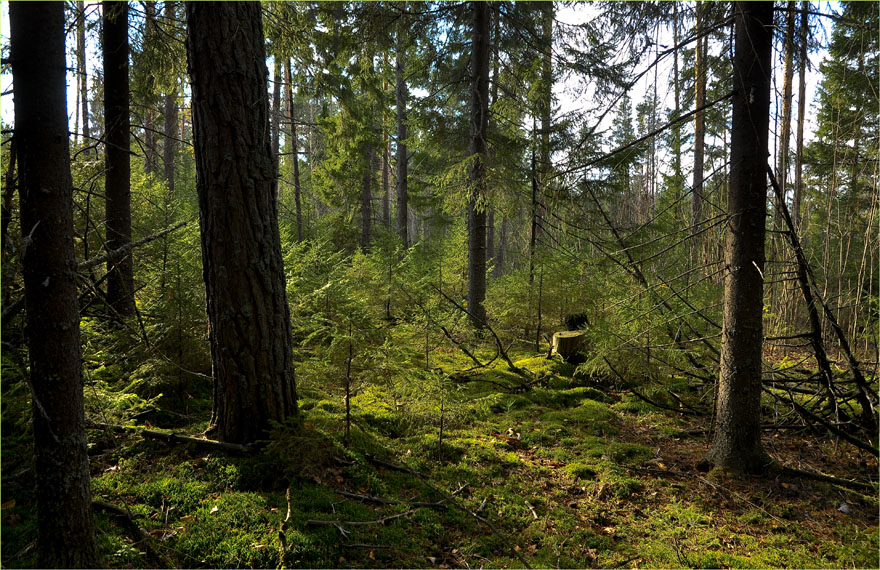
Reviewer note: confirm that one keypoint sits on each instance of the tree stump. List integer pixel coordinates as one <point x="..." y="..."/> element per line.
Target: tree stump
<point x="569" y="345"/>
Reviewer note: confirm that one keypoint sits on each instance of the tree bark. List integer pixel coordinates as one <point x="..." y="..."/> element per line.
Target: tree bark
<point x="386" y="177"/>
<point x="699" y="122"/>
<point x="251" y="349"/>
<point x="737" y="441"/>
<point x="479" y="119"/>
<point x="65" y="528"/>
<point x="117" y="159"/>
<point x="294" y="154"/>
<point x="402" y="159"/>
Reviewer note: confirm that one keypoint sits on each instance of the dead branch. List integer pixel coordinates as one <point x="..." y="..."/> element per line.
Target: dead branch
<point x="393" y="467"/>
<point x="849" y="484"/>
<point x="125" y="249"/>
<point x="138" y="534"/>
<point x="339" y="523"/>
<point x="177" y="438"/>
<point x="381" y="501"/>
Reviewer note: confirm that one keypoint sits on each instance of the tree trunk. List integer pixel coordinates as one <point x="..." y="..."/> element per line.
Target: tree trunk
<point x="170" y="148"/>
<point x="402" y="159"/>
<point x="294" y="154"/>
<point x="276" y="109"/>
<point x="502" y="244"/>
<point x="788" y="76"/>
<point x="802" y="106"/>
<point x="117" y="160"/>
<point x="149" y="112"/>
<point x="386" y="177"/>
<point x="65" y="528"/>
<point x="699" y="123"/>
<point x="479" y="118"/>
<point x="81" y="68"/>
<point x="737" y="441"/>
<point x="251" y="349"/>
<point x="369" y="155"/>
<point x="676" y="130"/>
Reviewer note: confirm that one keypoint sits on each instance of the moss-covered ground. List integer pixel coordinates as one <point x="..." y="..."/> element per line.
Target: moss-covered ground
<point x="564" y="473"/>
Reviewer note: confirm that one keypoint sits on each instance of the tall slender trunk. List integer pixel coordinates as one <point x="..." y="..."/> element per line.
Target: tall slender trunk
<point x="788" y="76"/>
<point x="120" y="272"/>
<point x="369" y="154"/>
<point x="149" y="112"/>
<point x="294" y="155"/>
<point x="502" y="246"/>
<point x="276" y="109"/>
<point x="81" y="68"/>
<point x="478" y="149"/>
<point x="65" y="527"/>
<point x="676" y="130"/>
<point x="402" y="159"/>
<point x="169" y="152"/>
<point x="699" y="121"/>
<point x="546" y="102"/>
<point x="802" y="106"/>
<point x="736" y="443"/>
<point x="386" y="177"/>
<point x="250" y="337"/>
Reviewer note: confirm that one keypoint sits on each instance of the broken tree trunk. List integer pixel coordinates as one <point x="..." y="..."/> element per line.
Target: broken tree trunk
<point x="569" y="345"/>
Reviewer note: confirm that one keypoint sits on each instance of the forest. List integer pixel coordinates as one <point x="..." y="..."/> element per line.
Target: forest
<point x="434" y="284"/>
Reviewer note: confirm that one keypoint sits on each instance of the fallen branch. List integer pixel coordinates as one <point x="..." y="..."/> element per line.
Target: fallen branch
<point x="849" y="484"/>
<point x="393" y="467"/>
<point x="138" y="534"/>
<point x="177" y="438"/>
<point x="501" y="348"/>
<point x="381" y="501"/>
<point x="450" y="498"/>
<point x="339" y="523"/>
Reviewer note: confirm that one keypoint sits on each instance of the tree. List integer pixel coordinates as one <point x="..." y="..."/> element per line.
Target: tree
<point x="699" y="120"/>
<point x="251" y="350"/>
<point x="117" y="161"/>
<point x="479" y="118"/>
<point x="402" y="158"/>
<point x="81" y="67"/>
<point x="737" y="441"/>
<point x="66" y="530"/>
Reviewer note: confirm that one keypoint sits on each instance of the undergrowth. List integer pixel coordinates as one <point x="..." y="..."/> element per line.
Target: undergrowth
<point x="573" y="472"/>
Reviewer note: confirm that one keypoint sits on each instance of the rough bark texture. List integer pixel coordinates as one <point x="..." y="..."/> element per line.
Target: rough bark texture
<point x="117" y="158"/>
<point x="294" y="150"/>
<point x="699" y="122"/>
<point x="478" y="150"/>
<point x="737" y="441"/>
<point x="276" y="110"/>
<point x="66" y="531"/>
<point x="402" y="159"/>
<point x="386" y="177"/>
<point x="249" y="319"/>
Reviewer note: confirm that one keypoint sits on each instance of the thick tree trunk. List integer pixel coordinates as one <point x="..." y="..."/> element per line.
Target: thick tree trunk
<point x="117" y="158"/>
<point x="81" y="68"/>
<point x="478" y="150"/>
<point x="802" y="106"/>
<point x="294" y="155"/>
<point x="402" y="159"/>
<point x="65" y="528"/>
<point x="251" y="349"/>
<point x="699" y="122"/>
<point x="737" y="441"/>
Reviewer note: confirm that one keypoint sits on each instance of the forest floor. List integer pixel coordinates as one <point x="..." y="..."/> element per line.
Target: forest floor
<point x="567" y="472"/>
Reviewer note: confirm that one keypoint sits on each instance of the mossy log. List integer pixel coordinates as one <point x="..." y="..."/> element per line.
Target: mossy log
<point x="569" y="345"/>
